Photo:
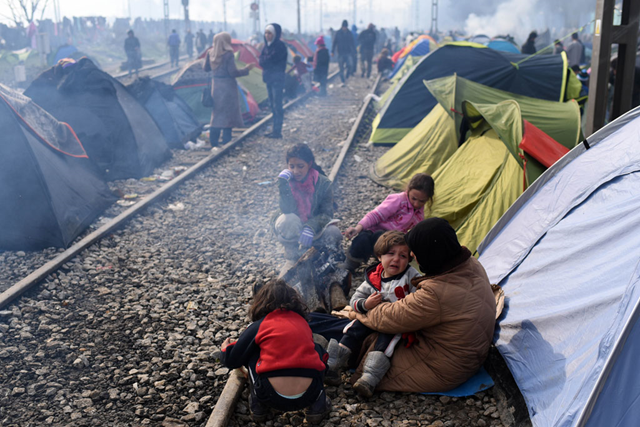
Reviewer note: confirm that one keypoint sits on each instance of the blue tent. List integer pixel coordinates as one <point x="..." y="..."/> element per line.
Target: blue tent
<point x="503" y="45"/>
<point x="567" y="255"/>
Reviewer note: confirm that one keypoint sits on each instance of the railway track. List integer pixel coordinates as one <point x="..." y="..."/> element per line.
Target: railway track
<point x="117" y="330"/>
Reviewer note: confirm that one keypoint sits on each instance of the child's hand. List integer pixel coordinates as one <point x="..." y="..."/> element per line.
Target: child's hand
<point x="286" y="174"/>
<point x="306" y="237"/>
<point x="353" y="231"/>
<point x="373" y="300"/>
<point x="225" y="344"/>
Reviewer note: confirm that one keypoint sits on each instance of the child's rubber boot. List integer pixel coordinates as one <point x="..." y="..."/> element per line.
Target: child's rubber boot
<point x="338" y="358"/>
<point x="375" y="366"/>
<point x="258" y="411"/>
<point x="319" y="410"/>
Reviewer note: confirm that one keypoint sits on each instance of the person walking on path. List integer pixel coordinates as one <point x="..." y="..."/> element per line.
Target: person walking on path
<point x="321" y="65"/>
<point x="226" y="112"/>
<point x="345" y="46"/>
<point x="575" y="51"/>
<point x="210" y="37"/>
<point x="367" y="41"/>
<point x="201" y="41"/>
<point x="529" y="47"/>
<point x="174" y="48"/>
<point x="132" y="49"/>
<point x="273" y="60"/>
<point x="188" y="41"/>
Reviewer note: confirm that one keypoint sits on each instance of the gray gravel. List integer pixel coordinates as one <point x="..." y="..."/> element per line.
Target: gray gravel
<point x="122" y="335"/>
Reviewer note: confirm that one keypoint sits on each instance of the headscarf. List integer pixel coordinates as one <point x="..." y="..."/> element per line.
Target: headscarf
<point x="436" y="247"/>
<point x="270" y="29"/>
<point x="221" y="45"/>
<point x="303" y="193"/>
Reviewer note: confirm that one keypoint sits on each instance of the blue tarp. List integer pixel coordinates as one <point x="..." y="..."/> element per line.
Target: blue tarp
<point x="567" y="256"/>
<point x="503" y="45"/>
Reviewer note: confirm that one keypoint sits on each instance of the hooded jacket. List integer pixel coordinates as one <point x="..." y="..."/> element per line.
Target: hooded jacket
<point x="273" y="58"/>
<point x="392" y="288"/>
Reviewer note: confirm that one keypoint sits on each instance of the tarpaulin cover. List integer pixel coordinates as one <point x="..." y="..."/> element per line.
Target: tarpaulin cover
<point x="566" y="255"/>
<point x="119" y="135"/>
<point x="541" y="76"/>
<point x="48" y="193"/>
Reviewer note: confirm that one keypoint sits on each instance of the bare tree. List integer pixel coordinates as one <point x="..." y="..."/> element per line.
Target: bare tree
<point x="25" y="10"/>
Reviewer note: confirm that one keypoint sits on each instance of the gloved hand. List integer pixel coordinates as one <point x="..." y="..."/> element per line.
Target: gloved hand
<point x="306" y="237"/>
<point x="285" y="174"/>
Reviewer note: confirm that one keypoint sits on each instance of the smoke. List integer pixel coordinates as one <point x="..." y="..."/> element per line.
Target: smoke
<point x="514" y="17"/>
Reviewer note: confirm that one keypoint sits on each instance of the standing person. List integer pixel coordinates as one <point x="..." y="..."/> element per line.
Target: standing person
<point x="306" y="206"/>
<point x="558" y="48"/>
<point x="529" y="47"/>
<point x="174" y="48"/>
<point x="354" y="57"/>
<point x="286" y="368"/>
<point x="210" y="38"/>
<point x="399" y="211"/>
<point x="367" y="41"/>
<point x="201" y="41"/>
<point x="226" y="112"/>
<point x="346" y="47"/>
<point x="132" y="49"/>
<point x="321" y="65"/>
<point x="575" y="51"/>
<point x="382" y="39"/>
<point x="273" y="60"/>
<point x="188" y="41"/>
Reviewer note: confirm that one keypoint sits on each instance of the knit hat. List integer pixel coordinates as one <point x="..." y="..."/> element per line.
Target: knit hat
<point x="436" y="247"/>
<point x="345" y="23"/>
<point x="319" y="40"/>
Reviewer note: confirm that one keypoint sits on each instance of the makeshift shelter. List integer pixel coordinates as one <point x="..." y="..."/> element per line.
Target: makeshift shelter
<point x="191" y="80"/>
<point x="298" y="47"/>
<point x="419" y="48"/>
<point x="566" y="255"/>
<point x="119" y="135"/>
<point x="49" y="193"/>
<point x="542" y="76"/>
<point x="173" y="116"/>
<point x="428" y="145"/>
<point x="503" y="45"/>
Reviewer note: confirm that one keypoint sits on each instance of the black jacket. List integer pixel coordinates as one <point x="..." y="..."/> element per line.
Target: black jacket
<point x="367" y="40"/>
<point x="322" y="63"/>
<point x="344" y="43"/>
<point x="273" y="58"/>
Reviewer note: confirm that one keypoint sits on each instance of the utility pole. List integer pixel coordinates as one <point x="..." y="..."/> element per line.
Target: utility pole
<point x="321" y="15"/>
<point x="166" y="19"/>
<point x="255" y="14"/>
<point x="434" y="17"/>
<point x="371" y="11"/>
<point x="625" y="36"/>
<point x="355" y="3"/>
<point x="298" y="2"/>
<point x="187" y="22"/>
<point x="224" y="13"/>
<point x="129" y="5"/>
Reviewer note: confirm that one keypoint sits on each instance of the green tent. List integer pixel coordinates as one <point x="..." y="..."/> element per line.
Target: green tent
<point x="430" y="144"/>
<point x="542" y="76"/>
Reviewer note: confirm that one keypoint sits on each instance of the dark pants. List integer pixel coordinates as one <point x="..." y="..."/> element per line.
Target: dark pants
<point x="266" y="395"/>
<point x="355" y="335"/>
<point x="174" y="54"/>
<point x="275" y="89"/>
<point x="367" y="59"/>
<point x="344" y="61"/>
<point x="363" y="243"/>
<point x="214" y="136"/>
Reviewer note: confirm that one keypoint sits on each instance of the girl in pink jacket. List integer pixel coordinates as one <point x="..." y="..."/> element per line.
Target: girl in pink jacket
<point x="399" y="211"/>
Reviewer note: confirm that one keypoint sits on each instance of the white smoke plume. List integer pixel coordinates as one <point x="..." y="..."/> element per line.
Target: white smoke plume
<point x="514" y="17"/>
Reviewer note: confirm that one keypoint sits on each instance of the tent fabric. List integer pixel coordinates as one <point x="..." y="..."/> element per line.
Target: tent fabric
<point x="566" y="256"/>
<point x="49" y="193"/>
<point x="428" y="145"/>
<point x="120" y="137"/>
<point x="173" y="116"/>
<point x="503" y="45"/>
<point x="541" y="146"/>
<point x="421" y="48"/>
<point x="541" y="76"/>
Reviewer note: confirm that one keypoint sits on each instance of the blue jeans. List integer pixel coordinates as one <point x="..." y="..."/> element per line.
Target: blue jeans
<point x="275" y="89"/>
<point x="344" y="61"/>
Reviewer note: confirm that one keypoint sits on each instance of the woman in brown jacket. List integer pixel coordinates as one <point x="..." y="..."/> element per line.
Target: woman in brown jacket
<point x="226" y="112"/>
<point x="452" y="315"/>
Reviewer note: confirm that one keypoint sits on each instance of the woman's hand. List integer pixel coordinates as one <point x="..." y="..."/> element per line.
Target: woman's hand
<point x="225" y="344"/>
<point x="373" y="300"/>
<point x="353" y="231"/>
<point x="250" y="67"/>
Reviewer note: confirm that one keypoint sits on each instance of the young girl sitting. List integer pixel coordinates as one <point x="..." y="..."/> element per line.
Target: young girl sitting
<point x="388" y="281"/>
<point x="306" y="203"/>
<point x="399" y="211"/>
<point x="286" y="368"/>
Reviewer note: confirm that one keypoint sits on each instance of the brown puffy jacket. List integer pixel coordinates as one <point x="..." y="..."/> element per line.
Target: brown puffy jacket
<point x="453" y="316"/>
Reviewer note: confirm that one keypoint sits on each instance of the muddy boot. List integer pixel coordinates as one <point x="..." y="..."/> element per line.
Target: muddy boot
<point x="319" y="410"/>
<point x="322" y="341"/>
<point x="338" y="300"/>
<point x="258" y="410"/>
<point x="375" y="366"/>
<point x="351" y="263"/>
<point x="338" y="358"/>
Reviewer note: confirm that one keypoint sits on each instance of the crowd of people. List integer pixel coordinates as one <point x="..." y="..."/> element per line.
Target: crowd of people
<point x="411" y="331"/>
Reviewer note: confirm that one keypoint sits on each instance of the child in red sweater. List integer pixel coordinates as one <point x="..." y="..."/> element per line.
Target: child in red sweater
<point x="286" y="368"/>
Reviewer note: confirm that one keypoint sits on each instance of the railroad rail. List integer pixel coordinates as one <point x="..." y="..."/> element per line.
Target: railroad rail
<point x="233" y="389"/>
<point x="53" y="265"/>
